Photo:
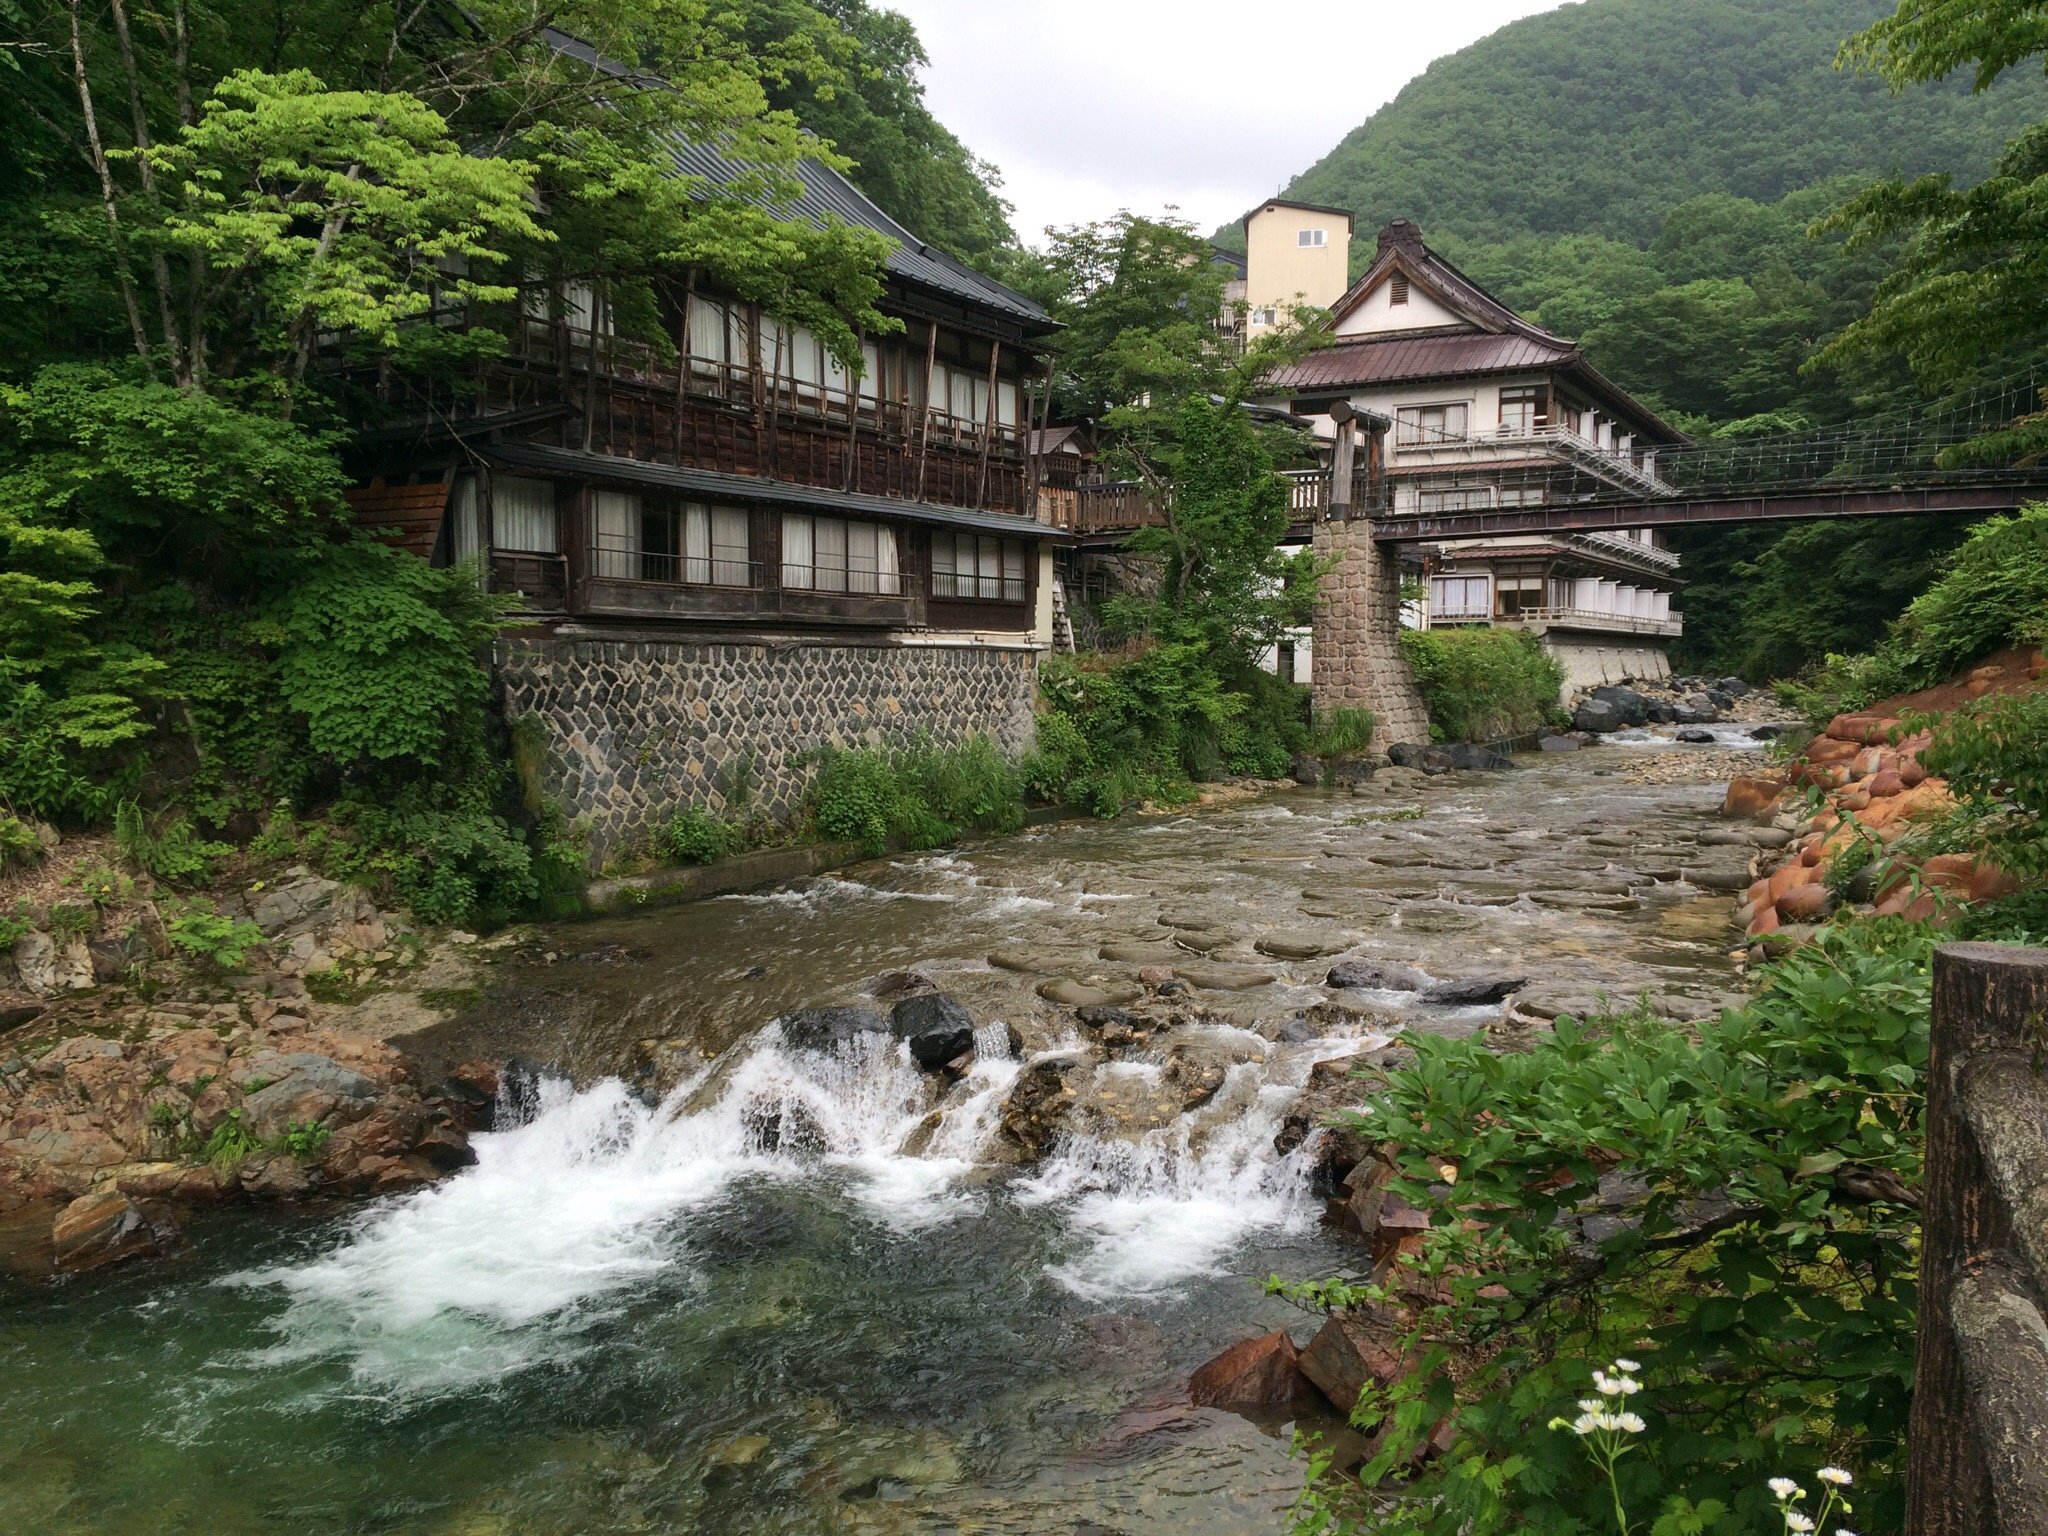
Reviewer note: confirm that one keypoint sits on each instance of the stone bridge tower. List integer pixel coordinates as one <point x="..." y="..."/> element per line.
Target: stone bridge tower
<point x="1357" y="660"/>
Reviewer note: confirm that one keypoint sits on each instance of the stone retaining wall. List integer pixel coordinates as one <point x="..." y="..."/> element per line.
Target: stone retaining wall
<point x="1593" y="661"/>
<point x="635" y="730"/>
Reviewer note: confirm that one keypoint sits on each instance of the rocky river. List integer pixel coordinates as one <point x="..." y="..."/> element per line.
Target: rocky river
<point x="734" y="1261"/>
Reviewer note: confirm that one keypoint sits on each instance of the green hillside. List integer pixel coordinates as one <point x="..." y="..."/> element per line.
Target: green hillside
<point x="1600" y="117"/>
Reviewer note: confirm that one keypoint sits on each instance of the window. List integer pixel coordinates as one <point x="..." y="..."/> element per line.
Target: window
<point x="1421" y="425"/>
<point x="1519" y="409"/>
<point x="1456" y="498"/>
<point x="1312" y="239"/>
<point x="1397" y="290"/>
<point x="1460" y="597"/>
<point x="716" y="547"/>
<point x="523" y="514"/>
<point x="465" y="533"/>
<point x="1270" y="315"/>
<point x="830" y="554"/>
<point x="977" y="566"/>
<point x="1516" y="595"/>
<point x="692" y="544"/>
<point x="1521" y="496"/>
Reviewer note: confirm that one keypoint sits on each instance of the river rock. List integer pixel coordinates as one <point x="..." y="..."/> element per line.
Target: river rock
<point x="1472" y="991"/>
<point x="99" y="1229"/>
<point x="288" y="910"/>
<point x="1202" y="941"/>
<point x="1549" y="743"/>
<point x="1307" y="771"/>
<point x="1734" y="687"/>
<point x="1226" y="978"/>
<point x="1377" y="976"/>
<point x="1040" y="1100"/>
<point x="1334" y="1086"/>
<point x="47" y="968"/>
<point x="1015" y="960"/>
<point x="1345" y="1354"/>
<point x="820" y="1029"/>
<point x="1600" y="718"/>
<point x="1728" y="879"/>
<point x="1749" y="798"/>
<point x="1695" y="738"/>
<point x="313" y="1088"/>
<point x="938" y="1028"/>
<point x="1295" y="946"/>
<point x="1632" y="707"/>
<point x="1258" y="1376"/>
<point x="1070" y="993"/>
<point x="1124" y="952"/>
<point x="1471" y="757"/>
<point x="1423" y="757"/>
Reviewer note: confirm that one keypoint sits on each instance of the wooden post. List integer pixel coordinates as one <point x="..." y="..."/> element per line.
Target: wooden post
<point x="1987" y="998"/>
<point x="924" y="429"/>
<point x="1343" y="464"/>
<point x="851" y="479"/>
<point x="683" y="359"/>
<point x="988" y="426"/>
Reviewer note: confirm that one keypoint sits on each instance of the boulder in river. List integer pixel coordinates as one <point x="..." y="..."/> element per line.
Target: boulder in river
<point x="1597" y="716"/>
<point x="1472" y="991"/>
<point x="1421" y="757"/>
<point x="1472" y="757"/>
<point x="938" y="1028"/>
<point x="1039" y="1102"/>
<point x="102" y="1228"/>
<point x="1257" y="1376"/>
<point x="1630" y="705"/>
<point x="1377" y="976"/>
<point x="1692" y="735"/>
<point x="819" y="1029"/>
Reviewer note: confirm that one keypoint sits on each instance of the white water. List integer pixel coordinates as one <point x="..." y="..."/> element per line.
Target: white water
<point x="564" y="1218"/>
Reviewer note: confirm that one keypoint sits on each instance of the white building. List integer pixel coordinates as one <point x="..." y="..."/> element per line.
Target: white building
<point x="1488" y="410"/>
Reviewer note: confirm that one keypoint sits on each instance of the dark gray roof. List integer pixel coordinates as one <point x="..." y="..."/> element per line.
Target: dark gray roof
<point x="713" y="485"/>
<point x="828" y="195"/>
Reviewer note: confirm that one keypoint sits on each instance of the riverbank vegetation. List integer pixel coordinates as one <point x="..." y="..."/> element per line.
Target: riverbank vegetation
<point x="1483" y="684"/>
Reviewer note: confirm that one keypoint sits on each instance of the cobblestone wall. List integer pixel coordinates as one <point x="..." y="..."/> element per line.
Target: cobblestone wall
<point x="1357" y="656"/>
<point x="635" y="730"/>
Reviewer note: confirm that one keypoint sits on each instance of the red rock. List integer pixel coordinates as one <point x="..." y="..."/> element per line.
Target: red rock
<point x="1867" y="762"/>
<point x="99" y="1229"/>
<point x="480" y="1074"/>
<point x="1825" y="750"/>
<point x="1764" y="922"/>
<point x="1812" y="854"/>
<point x="1855" y="800"/>
<point x="1893" y="905"/>
<point x="1988" y="882"/>
<point x="1884" y="785"/>
<point x="1949" y="872"/>
<point x="1977" y="686"/>
<point x="1790" y="878"/>
<point x="1344" y="1356"/>
<point x="1912" y="773"/>
<point x="1748" y="798"/>
<point x="1259" y="1375"/>
<point x="1808" y="904"/>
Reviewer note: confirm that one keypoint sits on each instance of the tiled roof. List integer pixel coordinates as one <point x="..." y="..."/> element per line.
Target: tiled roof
<point x="1387" y="359"/>
<point x="827" y="194"/>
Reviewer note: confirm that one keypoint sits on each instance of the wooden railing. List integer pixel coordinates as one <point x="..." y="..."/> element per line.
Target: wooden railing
<point x="1978" y="1441"/>
<point x="1127" y="505"/>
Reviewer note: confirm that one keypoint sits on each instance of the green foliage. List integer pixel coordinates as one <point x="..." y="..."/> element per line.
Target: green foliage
<point x="697" y="837"/>
<point x="305" y="1139"/>
<point x="210" y="936"/>
<point x="1639" y="106"/>
<point x="1765" y="1278"/>
<point x="172" y="851"/>
<point x="1992" y="592"/>
<point x="1994" y="753"/>
<point x="918" y="795"/>
<point x="1483" y="684"/>
<point x="19" y="845"/>
<point x="1343" y="732"/>
<point x="231" y="1144"/>
<point x="72" y="920"/>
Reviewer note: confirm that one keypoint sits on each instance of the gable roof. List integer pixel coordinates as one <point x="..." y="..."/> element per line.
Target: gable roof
<point x="1349" y="218"/>
<point x="1492" y="339"/>
<point x="825" y="195"/>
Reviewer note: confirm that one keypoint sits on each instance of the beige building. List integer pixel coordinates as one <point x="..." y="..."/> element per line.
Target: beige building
<point x="1295" y="253"/>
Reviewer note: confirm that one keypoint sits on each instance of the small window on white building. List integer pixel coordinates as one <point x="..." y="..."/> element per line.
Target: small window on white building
<point x="1397" y="290"/>
<point x="1312" y="239"/>
<point x="1267" y="316"/>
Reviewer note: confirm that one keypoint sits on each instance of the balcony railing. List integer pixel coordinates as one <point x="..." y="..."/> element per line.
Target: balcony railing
<point x="1549" y="439"/>
<point x="1568" y="618"/>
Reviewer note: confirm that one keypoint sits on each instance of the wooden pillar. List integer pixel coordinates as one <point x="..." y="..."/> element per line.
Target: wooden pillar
<point x="1987" y="997"/>
<point x="924" y="429"/>
<point x="988" y="426"/>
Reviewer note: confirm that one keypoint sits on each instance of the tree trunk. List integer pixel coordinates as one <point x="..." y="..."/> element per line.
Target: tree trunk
<point x="108" y="196"/>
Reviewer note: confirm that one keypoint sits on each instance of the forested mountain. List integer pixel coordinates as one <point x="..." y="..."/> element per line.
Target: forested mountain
<point x="1601" y="117"/>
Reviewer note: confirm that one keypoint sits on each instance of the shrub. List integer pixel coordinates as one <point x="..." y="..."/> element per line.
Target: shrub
<point x="1994" y="755"/>
<point x="172" y="853"/>
<point x="19" y="844"/>
<point x="305" y="1139"/>
<point x="1765" y="1271"/>
<point x="207" y="935"/>
<point x="1343" y="732"/>
<point x="919" y="795"/>
<point x="1483" y="684"/>
<point x="697" y="837"/>
<point x="231" y="1144"/>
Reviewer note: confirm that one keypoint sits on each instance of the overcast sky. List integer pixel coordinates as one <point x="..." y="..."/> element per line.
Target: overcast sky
<point x="1091" y="106"/>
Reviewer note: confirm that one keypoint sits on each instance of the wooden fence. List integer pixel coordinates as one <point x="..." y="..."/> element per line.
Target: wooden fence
<point x="1978" y="1460"/>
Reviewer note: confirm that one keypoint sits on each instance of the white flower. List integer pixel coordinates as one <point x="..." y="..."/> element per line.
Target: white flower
<point x="1834" y="1475"/>
<point x="1586" y="1423"/>
<point x="1615" y="1386"/>
<point x="1627" y="1365"/>
<point x="1631" y="1422"/>
<point x="1797" y="1523"/>
<point x="1591" y="1405"/>
<point x="1784" y="1488"/>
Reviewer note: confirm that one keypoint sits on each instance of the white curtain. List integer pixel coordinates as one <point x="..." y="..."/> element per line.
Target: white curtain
<point x="945" y="567"/>
<point x="523" y="514"/>
<point x="960" y="395"/>
<point x="1006" y="403"/>
<point x="799" y="549"/>
<point x="465" y="525"/>
<point x="615" y="518"/>
<point x="708" y="330"/>
<point x="1013" y="570"/>
<point x="871" y="381"/>
<point x="828" y="573"/>
<point x="803" y="358"/>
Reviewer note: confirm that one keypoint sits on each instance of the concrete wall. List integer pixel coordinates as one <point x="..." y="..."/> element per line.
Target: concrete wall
<point x="636" y="729"/>
<point x="1589" y="661"/>
<point x="1378" y="312"/>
